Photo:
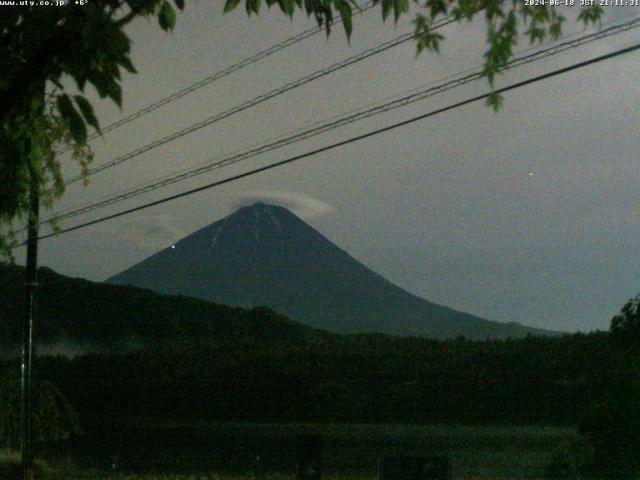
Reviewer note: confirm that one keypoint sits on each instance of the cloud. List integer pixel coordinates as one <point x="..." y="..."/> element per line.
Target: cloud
<point x="302" y="205"/>
<point x="155" y="232"/>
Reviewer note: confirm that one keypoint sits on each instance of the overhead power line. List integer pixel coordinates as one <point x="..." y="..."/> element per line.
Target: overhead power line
<point x="357" y="138"/>
<point x="257" y="100"/>
<point x="208" y="80"/>
<point x="415" y="95"/>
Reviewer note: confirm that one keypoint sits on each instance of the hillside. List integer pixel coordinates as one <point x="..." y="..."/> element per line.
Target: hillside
<point x="178" y="357"/>
<point x="79" y="315"/>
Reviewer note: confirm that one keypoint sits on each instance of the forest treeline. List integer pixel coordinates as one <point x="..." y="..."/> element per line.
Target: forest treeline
<point x="150" y="355"/>
<point x="180" y="357"/>
<point x="366" y="378"/>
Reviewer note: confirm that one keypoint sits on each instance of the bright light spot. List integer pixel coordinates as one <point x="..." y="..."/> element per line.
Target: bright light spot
<point x="531" y="174"/>
<point x="173" y="246"/>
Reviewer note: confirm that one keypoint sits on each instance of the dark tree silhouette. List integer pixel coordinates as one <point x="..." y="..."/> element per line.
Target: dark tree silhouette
<point x="613" y="425"/>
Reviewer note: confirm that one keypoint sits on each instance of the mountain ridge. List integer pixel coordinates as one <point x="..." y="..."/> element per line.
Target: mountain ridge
<point x="76" y="316"/>
<point x="265" y="255"/>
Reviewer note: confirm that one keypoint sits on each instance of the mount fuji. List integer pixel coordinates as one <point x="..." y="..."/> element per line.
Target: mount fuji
<point x="264" y="255"/>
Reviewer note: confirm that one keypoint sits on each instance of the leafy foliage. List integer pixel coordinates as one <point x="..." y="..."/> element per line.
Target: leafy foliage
<point x="570" y="460"/>
<point x="34" y="125"/>
<point x="167" y="16"/>
<point x="34" y="54"/>
<point x="613" y="424"/>
<point x="625" y="327"/>
<point x="53" y="417"/>
<point x="11" y="468"/>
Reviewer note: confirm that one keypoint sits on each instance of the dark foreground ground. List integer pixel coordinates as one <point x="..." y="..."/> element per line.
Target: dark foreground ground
<point x="138" y="449"/>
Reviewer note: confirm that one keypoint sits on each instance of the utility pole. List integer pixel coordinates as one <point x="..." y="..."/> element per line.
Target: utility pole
<point x="30" y="284"/>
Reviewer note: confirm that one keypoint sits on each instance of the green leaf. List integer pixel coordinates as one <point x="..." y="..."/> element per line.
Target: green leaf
<point x="555" y="30"/>
<point x="387" y="6"/>
<point x="115" y="93"/>
<point x="87" y="111"/>
<point x="116" y="42"/>
<point x="287" y="6"/>
<point x="53" y="223"/>
<point x="437" y="7"/>
<point x="35" y="158"/>
<point x="126" y="63"/>
<point x="100" y="82"/>
<point x="72" y="119"/>
<point x="167" y="16"/>
<point x="495" y="100"/>
<point x="591" y="14"/>
<point x="230" y="5"/>
<point x="345" y="13"/>
<point x="400" y="7"/>
<point x="252" y="6"/>
<point x="179" y="4"/>
<point x="536" y="34"/>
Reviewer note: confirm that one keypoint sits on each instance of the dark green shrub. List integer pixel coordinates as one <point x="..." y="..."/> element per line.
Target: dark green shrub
<point x="570" y="460"/>
<point x="53" y="416"/>
<point x="10" y="469"/>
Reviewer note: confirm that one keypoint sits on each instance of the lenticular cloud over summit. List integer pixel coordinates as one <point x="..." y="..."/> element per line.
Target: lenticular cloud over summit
<point x="302" y="205"/>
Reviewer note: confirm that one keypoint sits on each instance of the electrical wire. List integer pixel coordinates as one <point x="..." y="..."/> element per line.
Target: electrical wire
<point x="412" y="97"/>
<point x="354" y="139"/>
<point x="208" y="80"/>
<point x="256" y="100"/>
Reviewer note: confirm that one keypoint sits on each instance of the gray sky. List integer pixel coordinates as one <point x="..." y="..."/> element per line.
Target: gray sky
<point x="530" y="215"/>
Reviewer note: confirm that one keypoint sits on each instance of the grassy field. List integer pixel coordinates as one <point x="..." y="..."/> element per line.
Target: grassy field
<point x="215" y="476"/>
<point x="151" y="450"/>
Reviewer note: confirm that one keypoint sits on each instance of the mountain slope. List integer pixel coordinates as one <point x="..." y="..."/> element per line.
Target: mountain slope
<point x="265" y="255"/>
<point x="75" y="315"/>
